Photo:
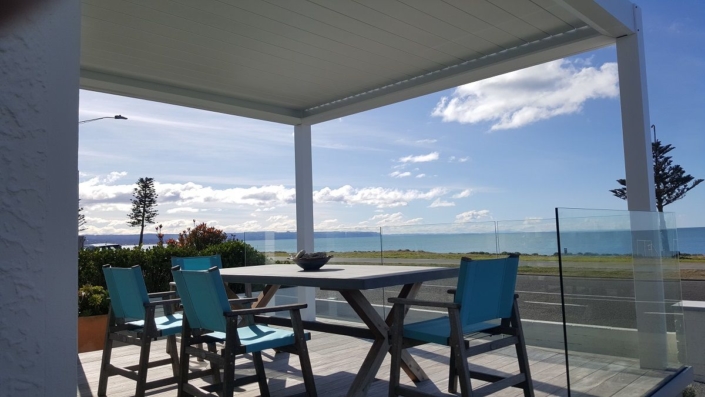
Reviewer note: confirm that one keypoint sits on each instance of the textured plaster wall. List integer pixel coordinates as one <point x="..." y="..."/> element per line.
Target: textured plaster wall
<point x="39" y="70"/>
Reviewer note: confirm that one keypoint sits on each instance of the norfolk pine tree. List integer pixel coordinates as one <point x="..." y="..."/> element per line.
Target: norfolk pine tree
<point x="81" y="218"/>
<point x="670" y="180"/>
<point x="143" y="205"/>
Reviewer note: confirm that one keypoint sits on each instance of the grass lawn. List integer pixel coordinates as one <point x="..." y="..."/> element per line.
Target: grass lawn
<point x="595" y="266"/>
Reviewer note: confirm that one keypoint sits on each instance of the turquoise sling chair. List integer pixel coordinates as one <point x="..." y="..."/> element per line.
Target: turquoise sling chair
<point x="209" y="318"/>
<point x="484" y="302"/>
<point x="132" y="320"/>
<point x="197" y="262"/>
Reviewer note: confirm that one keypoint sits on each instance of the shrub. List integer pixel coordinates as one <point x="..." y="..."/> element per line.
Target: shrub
<point x="200" y="237"/>
<point x="156" y="261"/>
<point x="689" y="391"/>
<point x="92" y="301"/>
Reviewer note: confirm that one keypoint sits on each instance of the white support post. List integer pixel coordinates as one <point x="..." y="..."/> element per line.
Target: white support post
<point x="304" y="208"/>
<point x="636" y="130"/>
<point x="39" y="65"/>
<point x="638" y="160"/>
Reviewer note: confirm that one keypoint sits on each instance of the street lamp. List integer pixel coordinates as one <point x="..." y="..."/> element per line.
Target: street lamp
<point x="117" y="116"/>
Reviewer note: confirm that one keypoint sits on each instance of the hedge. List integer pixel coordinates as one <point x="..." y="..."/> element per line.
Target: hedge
<point x="156" y="262"/>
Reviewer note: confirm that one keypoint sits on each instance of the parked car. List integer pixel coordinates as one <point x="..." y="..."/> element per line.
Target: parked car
<point x="103" y="246"/>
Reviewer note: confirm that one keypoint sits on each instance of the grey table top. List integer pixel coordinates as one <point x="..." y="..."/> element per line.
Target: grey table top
<point x="337" y="277"/>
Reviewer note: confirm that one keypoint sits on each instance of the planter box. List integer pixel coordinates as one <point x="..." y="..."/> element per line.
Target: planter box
<point x="91" y="333"/>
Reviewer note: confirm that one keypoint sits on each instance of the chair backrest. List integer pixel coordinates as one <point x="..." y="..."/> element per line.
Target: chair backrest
<point x="486" y="288"/>
<point x="127" y="290"/>
<point x="203" y="296"/>
<point x="197" y="262"/>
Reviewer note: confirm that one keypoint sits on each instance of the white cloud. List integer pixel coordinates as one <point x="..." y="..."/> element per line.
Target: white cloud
<point x="471" y="215"/>
<point x="525" y="96"/>
<point x="433" y="156"/>
<point x="114" y="176"/>
<point x="423" y="141"/>
<point x="182" y="209"/>
<point x="395" y="219"/>
<point x="420" y="175"/>
<point x="440" y="203"/>
<point x="105" y="197"/>
<point x="453" y="159"/>
<point x="375" y="196"/>
<point x="397" y="174"/>
<point x="109" y="207"/>
<point x="463" y="194"/>
<point x="329" y="224"/>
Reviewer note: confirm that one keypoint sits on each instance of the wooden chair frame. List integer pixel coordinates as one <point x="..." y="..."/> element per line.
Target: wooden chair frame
<point x="460" y="351"/>
<point x="193" y="339"/>
<point x="124" y="331"/>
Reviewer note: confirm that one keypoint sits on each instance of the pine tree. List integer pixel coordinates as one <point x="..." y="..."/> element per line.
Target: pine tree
<point x="671" y="181"/>
<point x="143" y="205"/>
<point x="81" y="218"/>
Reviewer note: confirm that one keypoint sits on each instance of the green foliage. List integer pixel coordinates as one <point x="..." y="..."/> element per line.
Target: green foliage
<point x="156" y="262"/>
<point x="92" y="301"/>
<point x="200" y="237"/>
<point x="143" y="205"/>
<point x="670" y="180"/>
<point x="81" y="218"/>
<point x="690" y="391"/>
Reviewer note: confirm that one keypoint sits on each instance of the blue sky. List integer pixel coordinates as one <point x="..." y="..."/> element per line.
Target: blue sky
<point x="510" y="148"/>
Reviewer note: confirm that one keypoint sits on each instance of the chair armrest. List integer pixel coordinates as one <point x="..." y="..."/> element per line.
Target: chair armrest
<point x="452" y="290"/>
<point x="161" y="294"/>
<point x="163" y="302"/>
<point x="242" y="300"/>
<point x="260" y="310"/>
<point x="404" y="301"/>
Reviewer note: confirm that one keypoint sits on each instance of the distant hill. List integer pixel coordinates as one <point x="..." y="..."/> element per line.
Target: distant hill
<point x="151" y="238"/>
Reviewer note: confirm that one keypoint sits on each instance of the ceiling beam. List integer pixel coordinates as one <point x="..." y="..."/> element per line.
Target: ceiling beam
<point x="151" y="91"/>
<point x="530" y="54"/>
<point x="614" y="18"/>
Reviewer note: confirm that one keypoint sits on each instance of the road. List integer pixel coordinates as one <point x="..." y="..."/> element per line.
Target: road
<point x="604" y="302"/>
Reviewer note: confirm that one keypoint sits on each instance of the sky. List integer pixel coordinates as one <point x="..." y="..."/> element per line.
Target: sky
<point x="510" y="148"/>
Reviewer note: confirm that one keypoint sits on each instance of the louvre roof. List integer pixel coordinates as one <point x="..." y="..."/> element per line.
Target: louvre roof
<point x="308" y="61"/>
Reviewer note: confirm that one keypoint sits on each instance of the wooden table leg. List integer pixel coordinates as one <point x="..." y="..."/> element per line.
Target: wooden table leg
<point x="266" y="295"/>
<point x="262" y="300"/>
<point x="379" y="348"/>
<point x="408" y="364"/>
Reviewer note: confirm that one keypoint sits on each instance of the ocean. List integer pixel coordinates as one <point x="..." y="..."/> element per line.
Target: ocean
<point x="688" y="240"/>
<point x="685" y="240"/>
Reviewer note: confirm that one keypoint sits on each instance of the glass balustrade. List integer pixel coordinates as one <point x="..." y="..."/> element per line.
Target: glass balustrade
<point x="599" y="291"/>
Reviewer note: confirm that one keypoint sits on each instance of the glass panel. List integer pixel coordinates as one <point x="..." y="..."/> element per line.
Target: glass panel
<point x="621" y="287"/>
<point x="359" y="246"/>
<point x="538" y="284"/>
<point x="435" y="245"/>
<point x="276" y="247"/>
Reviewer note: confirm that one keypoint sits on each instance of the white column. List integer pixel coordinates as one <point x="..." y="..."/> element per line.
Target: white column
<point x="636" y="125"/>
<point x="638" y="160"/>
<point x="304" y="208"/>
<point x="39" y="65"/>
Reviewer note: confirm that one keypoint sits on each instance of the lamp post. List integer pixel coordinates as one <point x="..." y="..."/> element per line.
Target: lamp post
<point x="117" y="116"/>
<point x="81" y="218"/>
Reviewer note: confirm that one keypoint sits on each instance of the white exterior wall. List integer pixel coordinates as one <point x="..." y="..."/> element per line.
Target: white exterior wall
<point x="39" y="72"/>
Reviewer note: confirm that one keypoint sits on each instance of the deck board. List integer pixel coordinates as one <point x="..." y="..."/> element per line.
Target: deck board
<point x="336" y="360"/>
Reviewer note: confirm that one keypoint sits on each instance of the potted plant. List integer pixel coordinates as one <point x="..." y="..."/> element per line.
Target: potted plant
<point x="92" y="317"/>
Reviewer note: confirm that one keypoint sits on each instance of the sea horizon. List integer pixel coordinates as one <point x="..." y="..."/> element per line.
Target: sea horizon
<point x="618" y="242"/>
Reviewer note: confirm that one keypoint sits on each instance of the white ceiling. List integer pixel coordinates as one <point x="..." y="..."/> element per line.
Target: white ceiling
<point x="308" y="61"/>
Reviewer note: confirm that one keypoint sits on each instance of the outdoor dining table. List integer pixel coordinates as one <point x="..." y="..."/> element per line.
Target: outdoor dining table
<point x="349" y="281"/>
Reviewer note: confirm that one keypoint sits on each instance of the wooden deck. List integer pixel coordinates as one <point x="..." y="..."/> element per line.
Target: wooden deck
<point x="336" y="360"/>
